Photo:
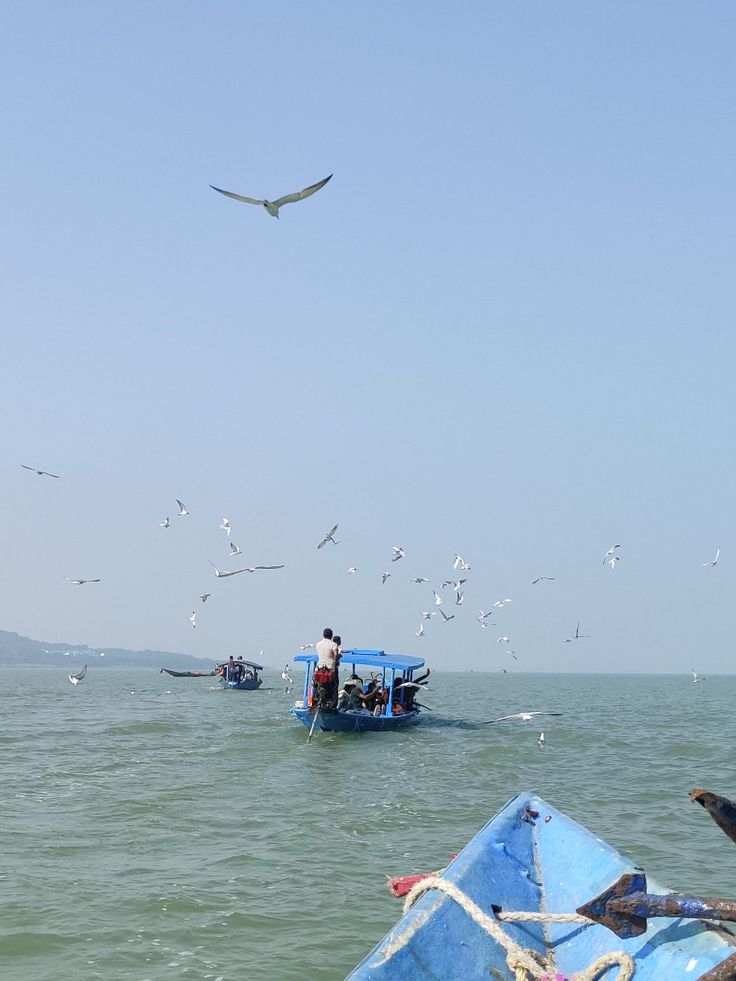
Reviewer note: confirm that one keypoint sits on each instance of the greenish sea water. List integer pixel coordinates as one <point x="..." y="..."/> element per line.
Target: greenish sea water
<point x="161" y="828"/>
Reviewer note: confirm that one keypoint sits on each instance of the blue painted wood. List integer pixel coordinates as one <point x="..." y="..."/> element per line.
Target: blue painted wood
<point x="355" y="721"/>
<point x="551" y="863"/>
<point x="371" y="658"/>
<point x="248" y="684"/>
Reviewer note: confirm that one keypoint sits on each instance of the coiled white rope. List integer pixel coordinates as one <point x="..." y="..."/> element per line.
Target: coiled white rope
<point x="524" y="963"/>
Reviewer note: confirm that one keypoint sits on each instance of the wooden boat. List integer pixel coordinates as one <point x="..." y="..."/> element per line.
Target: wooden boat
<point x="187" y="674"/>
<point x="397" y="712"/>
<point x="532" y="858"/>
<point x="243" y="676"/>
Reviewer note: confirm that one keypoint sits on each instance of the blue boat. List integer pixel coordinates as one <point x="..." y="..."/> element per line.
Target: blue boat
<point x="399" y="711"/>
<point x="532" y="858"/>
<point x="241" y="675"/>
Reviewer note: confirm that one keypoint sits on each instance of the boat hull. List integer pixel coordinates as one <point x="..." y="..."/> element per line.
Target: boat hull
<point x="525" y="863"/>
<point x="248" y="685"/>
<point x="354" y="721"/>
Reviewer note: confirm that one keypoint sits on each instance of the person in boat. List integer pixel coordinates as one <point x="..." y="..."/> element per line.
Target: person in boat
<point x="230" y="670"/>
<point x="328" y="658"/>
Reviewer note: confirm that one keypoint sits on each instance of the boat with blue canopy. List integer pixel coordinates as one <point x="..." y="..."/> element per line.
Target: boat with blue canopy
<point x="239" y="674"/>
<point x="385" y="701"/>
<point x="535" y="895"/>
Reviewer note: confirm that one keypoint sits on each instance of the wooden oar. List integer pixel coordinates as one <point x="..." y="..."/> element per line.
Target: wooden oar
<point x="314" y="723"/>
<point x="626" y="906"/>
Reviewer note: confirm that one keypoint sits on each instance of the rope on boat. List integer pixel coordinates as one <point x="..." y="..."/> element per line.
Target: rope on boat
<point x="525" y="964"/>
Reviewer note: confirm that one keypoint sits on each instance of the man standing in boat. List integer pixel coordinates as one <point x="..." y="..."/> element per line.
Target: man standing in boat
<point x="328" y="658"/>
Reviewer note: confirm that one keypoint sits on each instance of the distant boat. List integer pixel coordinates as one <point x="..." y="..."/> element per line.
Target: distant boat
<point x="242" y="676"/>
<point x="187" y="674"/>
<point x="395" y="712"/>
<point x="532" y="858"/>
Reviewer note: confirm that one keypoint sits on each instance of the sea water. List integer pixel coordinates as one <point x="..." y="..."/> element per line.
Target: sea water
<point x="162" y="828"/>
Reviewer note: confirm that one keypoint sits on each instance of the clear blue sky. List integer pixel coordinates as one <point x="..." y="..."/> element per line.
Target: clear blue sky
<point x="505" y="328"/>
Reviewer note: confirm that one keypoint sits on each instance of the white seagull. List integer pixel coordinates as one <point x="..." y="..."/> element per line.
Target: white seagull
<point x="183" y="509"/>
<point x="459" y="597"/>
<point x="285" y="676"/>
<point x="696" y="677"/>
<point x="512" y="654"/>
<point x="437" y="598"/>
<point x="610" y="552"/>
<point x="521" y="717"/>
<point x="272" y="207"/>
<point x="76" y="678"/>
<point x="205" y="596"/>
<point x="234" y="550"/>
<point x="715" y="560"/>
<point x="482" y="622"/>
<point x="165" y="523"/>
<point x="306" y="647"/>
<point x="612" y="562"/>
<point x="445" y="616"/>
<point x="193" y="619"/>
<point x="503" y="640"/>
<point x="385" y="576"/>
<point x="80" y="582"/>
<point x="420" y="632"/>
<point x="461" y="564"/>
<point x="455" y="583"/>
<point x="221" y="574"/>
<point x="419" y="579"/>
<point x="329" y="537"/>
<point x="41" y="473"/>
<point x="541" y="579"/>
<point x="225" y="526"/>
<point x="399" y="553"/>
<point x="540" y="741"/>
<point x="428" y="614"/>
<point x="499" y="604"/>
<point x="353" y="569"/>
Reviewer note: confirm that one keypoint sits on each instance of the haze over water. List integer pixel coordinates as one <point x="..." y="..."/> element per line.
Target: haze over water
<point x="158" y="828"/>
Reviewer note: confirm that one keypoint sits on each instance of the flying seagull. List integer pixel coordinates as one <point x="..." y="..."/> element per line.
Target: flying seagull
<point x="205" y="596"/>
<point x="445" y="616"/>
<point x="234" y="550"/>
<point x="455" y="583"/>
<point x="272" y="207"/>
<point x="428" y="614"/>
<point x="512" y="654"/>
<point x="306" y="647"/>
<point x="610" y="552"/>
<point x="715" y="560"/>
<point x="285" y="676"/>
<point x="459" y="597"/>
<point x="461" y="564"/>
<point x="193" y="619"/>
<point x="437" y="598"/>
<point x="384" y="577"/>
<point x="504" y="640"/>
<point x="399" y="553"/>
<point x="540" y="741"/>
<point x="420" y="632"/>
<point x="696" y="677"/>
<point x="578" y="635"/>
<point x="225" y="526"/>
<point x="76" y="678"/>
<point x="183" y="509"/>
<point x="521" y="717"/>
<point x="612" y="562"/>
<point x="541" y="578"/>
<point x="41" y="473"/>
<point x="499" y="604"/>
<point x="482" y="622"/>
<point x="221" y="574"/>
<point x="352" y="570"/>
<point x="80" y="582"/>
<point x="419" y="579"/>
<point x="329" y="537"/>
<point x="165" y="523"/>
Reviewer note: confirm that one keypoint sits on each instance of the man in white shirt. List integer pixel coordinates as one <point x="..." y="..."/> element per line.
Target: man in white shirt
<point x="328" y="657"/>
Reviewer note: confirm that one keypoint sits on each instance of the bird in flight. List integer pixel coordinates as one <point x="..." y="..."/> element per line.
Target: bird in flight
<point x="419" y="579"/>
<point x="437" y="598"/>
<point x="384" y="577"/>
<point x="482" y="622"/>
<point x="225" y="526"/>
<point x="205" y="596"/>
<point x="193" y="619"/>
<point x="503" y="640"/>
<point x="459" y="597"/>
<point x="520" y="717"/>
<point x="460" y="564"/>
<point x="445" y="616"/>
<point x="541" y="578"/>
<point x="609" y="553"/>
<point x="612" y="562"/>
<point x="399" y="553"/>
<point x="540" y="741"/>
<point x="455" y="583"/>
<point x="715" y="560"/>
<point x="499" y="604"/>
<point x="329" y="537"/>
<point x="420" y="632"/>
<point x="578" y="635"/>
<point x="183" y="509"/>
<point x="512" y="654"/>
<point x="234" y="550"/>
<point x="76" y="678"/>
<point x="80" y="582"/>
<point x="41" y="473"/>
<point x="272" y="207"/>
<point x="306" y="647"/>
<point x="353" y="569"/>
<point x="696" y="677"/>
<point x="428" y="614"/>
<point x="165" y="523"/>
<point x="221" y="574"/>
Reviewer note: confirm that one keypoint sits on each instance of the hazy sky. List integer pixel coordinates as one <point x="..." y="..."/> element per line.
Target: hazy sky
<point x="504" y="328"/>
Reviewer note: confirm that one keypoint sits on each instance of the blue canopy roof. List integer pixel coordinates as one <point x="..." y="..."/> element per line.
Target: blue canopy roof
<point x="240" y="660"/>
<point x="374" y="659"/>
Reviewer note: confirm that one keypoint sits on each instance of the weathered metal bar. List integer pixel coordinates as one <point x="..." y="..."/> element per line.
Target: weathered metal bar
<point x="721" y="809"/>
<point x="626" y="906"/>
<point x="725" y="971"/>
